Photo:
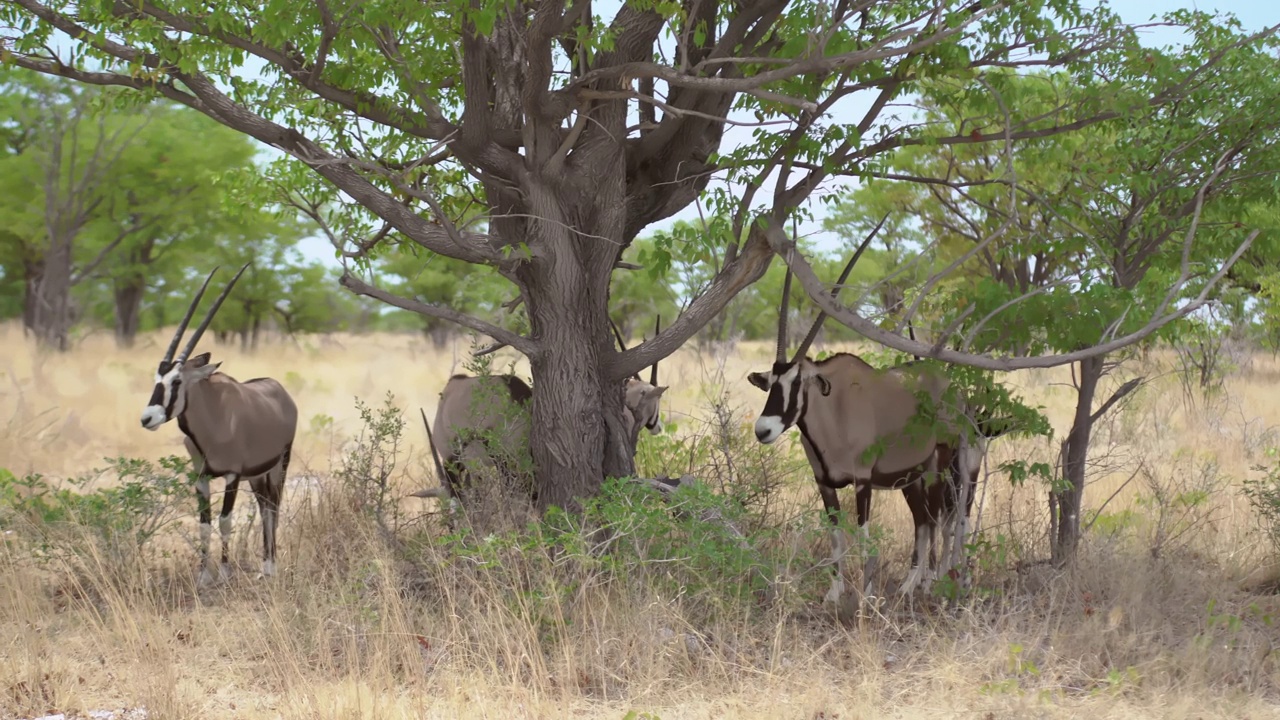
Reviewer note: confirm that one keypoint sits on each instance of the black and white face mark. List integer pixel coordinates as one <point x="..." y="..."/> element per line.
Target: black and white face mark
<point x="168" y="399"/>
<point x="781" y="406"/>
<point x="785" y="404"/>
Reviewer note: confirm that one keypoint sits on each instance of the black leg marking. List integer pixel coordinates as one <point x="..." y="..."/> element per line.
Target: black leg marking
<point x="224" y="520"/>
<point x="864" y="504"/>
<point x="831" y="504"/>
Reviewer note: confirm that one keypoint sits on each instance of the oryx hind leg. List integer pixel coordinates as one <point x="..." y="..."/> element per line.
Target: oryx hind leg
<point x="870" y="555"/>
<point x="269" y="489"/>
<point x="924" y="555"/>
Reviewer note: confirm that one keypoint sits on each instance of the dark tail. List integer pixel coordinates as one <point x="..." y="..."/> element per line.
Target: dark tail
<point x="990" y="426"/>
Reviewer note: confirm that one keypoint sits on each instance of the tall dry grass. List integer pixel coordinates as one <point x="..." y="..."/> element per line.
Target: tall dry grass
<point x="1152" y="623"/>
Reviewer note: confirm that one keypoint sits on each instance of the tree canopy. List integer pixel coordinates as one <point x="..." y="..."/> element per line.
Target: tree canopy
<point x="541" y="140"/>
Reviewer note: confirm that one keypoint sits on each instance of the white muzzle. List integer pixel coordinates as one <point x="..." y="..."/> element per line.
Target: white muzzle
<point x="153" y="417"/>
<point x="769" y="428"/>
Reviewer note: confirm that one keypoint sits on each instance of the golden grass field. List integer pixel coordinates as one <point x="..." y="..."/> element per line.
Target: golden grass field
<point x="1127" y="633"/>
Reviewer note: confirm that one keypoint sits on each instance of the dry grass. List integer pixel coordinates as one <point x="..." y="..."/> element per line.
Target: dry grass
<point x="350" y="629"/>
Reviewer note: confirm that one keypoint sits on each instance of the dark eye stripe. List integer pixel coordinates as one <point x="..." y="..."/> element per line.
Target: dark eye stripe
<point x="173" y="396"/>
<point x="157" y="395"/>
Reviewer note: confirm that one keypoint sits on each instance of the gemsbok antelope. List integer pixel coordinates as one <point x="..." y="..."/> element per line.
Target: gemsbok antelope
<point x="845" y="409"/>
<point x="473" y="410"/>
<point x="235" y="430"/>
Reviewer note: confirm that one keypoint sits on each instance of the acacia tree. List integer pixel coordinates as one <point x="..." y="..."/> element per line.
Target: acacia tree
<point x="57" y="168"/>
<point x="167" y="196"/>
<point x="1072" y="242"/>
<point x="574" y="131"/>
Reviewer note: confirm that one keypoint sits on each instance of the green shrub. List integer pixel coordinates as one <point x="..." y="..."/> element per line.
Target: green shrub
<point x="57" y="518"/>
<point x="1264" y="496"/>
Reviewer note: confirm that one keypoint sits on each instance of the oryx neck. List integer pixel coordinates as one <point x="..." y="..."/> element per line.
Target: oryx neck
<point x="203" y="418"/>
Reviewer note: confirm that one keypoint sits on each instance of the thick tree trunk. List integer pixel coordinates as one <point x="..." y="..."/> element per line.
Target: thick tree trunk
<point x="578" y="437"/>
<point x="1066" y="504"/>
<point x="128" y="301"/>
<point x="438" y="334"/>
<point x="33" y="270"/>
<point x="51" y="315"/>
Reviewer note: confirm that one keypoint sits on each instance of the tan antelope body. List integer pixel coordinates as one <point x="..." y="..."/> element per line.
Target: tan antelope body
<point x="235" y="430"/>
<point x="485" y="421"/>
<point x="857" y="428"/>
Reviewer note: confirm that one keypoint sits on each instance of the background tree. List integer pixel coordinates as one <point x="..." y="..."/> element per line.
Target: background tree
<point x="56" y="171"/>
<point x="577" y="132"/>
<point x="168" y="199"/>
<point x="1088" y="240"/>
<point x="448" y="282"/>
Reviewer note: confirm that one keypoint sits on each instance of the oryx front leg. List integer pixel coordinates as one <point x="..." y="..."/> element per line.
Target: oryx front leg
<point x="870" y="554"/>
<point x="224" y="522"/>
<point x="205" y="507"/>
<point x="839" y="546"/>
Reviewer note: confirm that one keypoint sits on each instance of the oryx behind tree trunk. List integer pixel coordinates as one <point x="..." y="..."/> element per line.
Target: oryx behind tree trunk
<point x="483" y="423"/>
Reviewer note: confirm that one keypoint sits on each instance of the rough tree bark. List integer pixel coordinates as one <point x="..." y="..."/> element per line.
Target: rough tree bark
<point x="1066" y="502"/>
<point x="51" y="314"/>
<point x="128" y="294"/>
<point x="129" y="289"/>
<point x="32" y="270"/>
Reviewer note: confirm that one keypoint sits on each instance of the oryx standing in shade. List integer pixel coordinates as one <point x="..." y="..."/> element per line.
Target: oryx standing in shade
<point x="236" y="430"/>
<point x="845" y="410"/>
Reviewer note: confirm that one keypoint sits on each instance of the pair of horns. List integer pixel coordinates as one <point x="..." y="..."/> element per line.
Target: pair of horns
<point x="822" y="316"/>
<point x="204" y="324"/>
<point x="657" y="327"/>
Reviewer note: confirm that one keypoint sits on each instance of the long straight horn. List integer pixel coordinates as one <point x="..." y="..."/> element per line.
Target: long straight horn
<point x="208" y="317"/>
<point x="442" y="478"/>
<point x="653" y="373"/>
<point x="622" y="345"/>
<point x="848" y="268"/>
<point x="782" y="317"/>
<point x="617" y="335"/>
<point x="186" y="319"/>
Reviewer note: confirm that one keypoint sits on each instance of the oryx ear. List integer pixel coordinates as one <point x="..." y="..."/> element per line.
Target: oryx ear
<point x="199" y="368"/>
<point x="824" y="385"/>
<point x="759" y="380"/>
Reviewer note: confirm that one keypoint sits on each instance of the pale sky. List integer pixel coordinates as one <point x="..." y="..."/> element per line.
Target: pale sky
<point x="1253" y="14"/>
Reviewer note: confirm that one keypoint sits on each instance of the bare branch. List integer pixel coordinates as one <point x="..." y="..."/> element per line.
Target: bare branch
<point x="489" y="350"/>
<point x="1116" y="397"/>
<point x="746" y="268"/>
<point x="817" y="292"/>
<point x="360" y="287"/>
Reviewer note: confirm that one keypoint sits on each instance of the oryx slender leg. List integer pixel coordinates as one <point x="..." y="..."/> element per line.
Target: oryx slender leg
<point x="267" y="508"/>
<point x="269" y="489"/>
<point x="205" y="507"/>
<point x="839" y="546"/>
<point x="870" y="556"/>
<point x="922" y="517"/>
<point x="224" y="521"/>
